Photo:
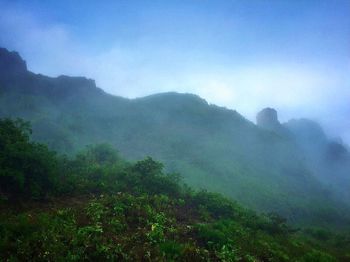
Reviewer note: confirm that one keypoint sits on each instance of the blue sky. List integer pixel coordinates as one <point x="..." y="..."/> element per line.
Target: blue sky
<point x="242" y="54"/>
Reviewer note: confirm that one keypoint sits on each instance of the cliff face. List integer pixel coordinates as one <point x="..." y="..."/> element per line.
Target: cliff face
<point x="268" y="119"/>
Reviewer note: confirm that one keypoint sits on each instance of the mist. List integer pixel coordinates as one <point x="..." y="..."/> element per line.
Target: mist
<point x="199" y="130"/>
<point x="242" y="55"/>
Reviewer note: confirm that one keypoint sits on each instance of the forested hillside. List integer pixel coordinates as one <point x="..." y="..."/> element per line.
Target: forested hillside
<point x="97" y="206"/>
<point x="211" y="147"/>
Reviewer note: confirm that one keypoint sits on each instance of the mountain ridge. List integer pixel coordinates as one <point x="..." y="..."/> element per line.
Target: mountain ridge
<point x="214" y="147"/>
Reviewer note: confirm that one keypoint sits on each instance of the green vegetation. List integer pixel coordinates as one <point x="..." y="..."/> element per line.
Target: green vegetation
<point x="27" y="169"/>
<point x="97" y="206"/>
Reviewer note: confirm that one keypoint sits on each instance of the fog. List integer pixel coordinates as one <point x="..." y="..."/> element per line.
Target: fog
<point x="175" y="130"/>
<point x="238" y="54"/>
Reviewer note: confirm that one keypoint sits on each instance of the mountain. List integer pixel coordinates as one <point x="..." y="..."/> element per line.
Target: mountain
<point x="264" y="166"/>
<point x="328" y="159"/>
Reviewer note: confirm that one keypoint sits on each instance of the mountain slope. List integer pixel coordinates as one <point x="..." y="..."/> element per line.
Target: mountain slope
<point x="213" y="147"/>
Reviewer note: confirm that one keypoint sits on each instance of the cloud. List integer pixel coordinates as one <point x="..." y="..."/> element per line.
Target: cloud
<point x="48" y="47"/>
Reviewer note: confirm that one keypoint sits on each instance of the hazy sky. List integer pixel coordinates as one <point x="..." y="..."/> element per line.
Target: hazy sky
<point x="292" y="55"/>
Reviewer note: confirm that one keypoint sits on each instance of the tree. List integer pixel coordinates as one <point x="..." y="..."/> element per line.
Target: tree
<point x="27" y="169"/>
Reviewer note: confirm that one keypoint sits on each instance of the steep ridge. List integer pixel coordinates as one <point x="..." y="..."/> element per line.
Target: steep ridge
<point x="213" y="147"/>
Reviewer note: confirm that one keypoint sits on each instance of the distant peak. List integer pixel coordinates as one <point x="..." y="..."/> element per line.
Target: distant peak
<point x="11" y="63"/>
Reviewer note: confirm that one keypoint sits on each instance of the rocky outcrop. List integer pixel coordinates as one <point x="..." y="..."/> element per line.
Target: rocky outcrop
<point x="11" y="63"/>
<point x="268" y="119"/>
